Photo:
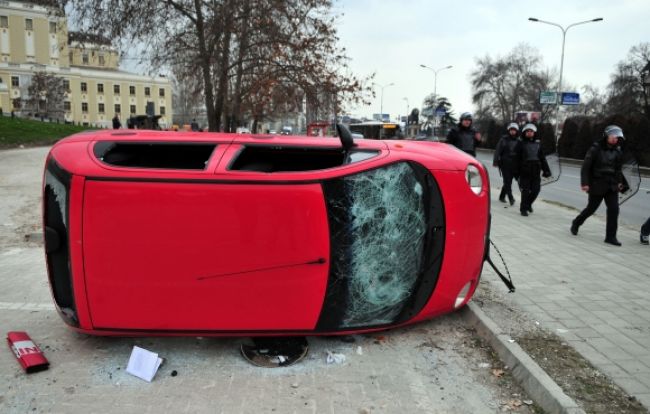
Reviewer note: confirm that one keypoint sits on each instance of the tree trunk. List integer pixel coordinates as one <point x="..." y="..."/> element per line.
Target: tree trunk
<point x="204" y="59"/>
<point x="222" y="90"/>
<point x="243" y="46"/>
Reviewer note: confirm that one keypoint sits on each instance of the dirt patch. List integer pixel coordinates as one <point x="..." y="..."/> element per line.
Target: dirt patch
<point x="589" y="387"/>
<point x="516" y="401"/>
<point x="558" y="204"/>
<point x="580" y="380"/>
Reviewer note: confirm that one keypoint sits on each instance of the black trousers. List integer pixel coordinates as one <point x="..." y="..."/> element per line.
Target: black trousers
<point x="506" y="190"/>
<point x="529" y="186"/>
<point x="611" y="201"/>
<point x="645" y="229"/>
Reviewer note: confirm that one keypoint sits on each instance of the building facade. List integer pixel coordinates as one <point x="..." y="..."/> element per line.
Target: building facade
<point x="33" y="39"/>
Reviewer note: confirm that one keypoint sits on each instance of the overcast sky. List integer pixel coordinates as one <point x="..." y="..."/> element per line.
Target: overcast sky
<point x="393" y="37"/>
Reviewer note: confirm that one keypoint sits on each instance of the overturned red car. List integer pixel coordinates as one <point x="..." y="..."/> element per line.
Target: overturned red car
<point x="155" y="233"/>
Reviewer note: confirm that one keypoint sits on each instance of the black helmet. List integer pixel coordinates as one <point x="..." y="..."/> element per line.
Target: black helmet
<point x="465" y="115"/>
<point x="613" y="130"/>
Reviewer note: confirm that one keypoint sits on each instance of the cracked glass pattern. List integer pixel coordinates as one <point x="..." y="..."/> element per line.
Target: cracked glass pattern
<point x="387" y="225"/>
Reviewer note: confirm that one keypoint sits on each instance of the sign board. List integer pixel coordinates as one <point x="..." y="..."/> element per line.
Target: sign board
<point x="427" y="111"/>
<point x="547" y="98"/>
<point x="524" y="117"/>
<point x="440" y="112"/>
<point x="570" y="98"/>
<point x="381" y="117"/>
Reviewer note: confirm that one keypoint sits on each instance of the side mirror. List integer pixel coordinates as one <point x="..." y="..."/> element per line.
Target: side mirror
<point x="345" y="136"/>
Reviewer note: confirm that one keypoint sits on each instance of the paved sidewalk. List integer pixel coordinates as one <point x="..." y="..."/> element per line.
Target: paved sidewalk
<point x="593" y="295"/>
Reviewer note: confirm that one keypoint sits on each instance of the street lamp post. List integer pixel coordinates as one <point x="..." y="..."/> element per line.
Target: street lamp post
<point x="435" y="90"/>
<point x="435" y="77"/>
<point x="559" y="85"/>
<point x="381" y="108"/>
<point x="407" y="116"/>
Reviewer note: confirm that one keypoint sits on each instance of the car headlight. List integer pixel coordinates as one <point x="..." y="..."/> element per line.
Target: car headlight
<point x="474" y="180"/>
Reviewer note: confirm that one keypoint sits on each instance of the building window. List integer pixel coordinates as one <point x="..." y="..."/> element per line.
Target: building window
<point x="101" y="60"/>
<point x="4" y="22"/>
<point x="100" y="108"/>
<point x="84" y="107"/>
<point x="100" y="88"/>
<point x="118" y="108"/>
<point x="66" y="85"/>
<point x="84" y="87"/>
<point x="71" y="56"/>
<point x="66" y="106"/>
<point x="29" y="24"/>
<point x="84" y="58"/>
<point x="162" y="110"/>
<point x="131" y="90"/>
<point x="132" y="111"/>
<point x="15" y="82"/>
<point x="161" y="92"/>
<point x="52" y="27"/>
<point x="147" y="91"/>
<point x="116" y="89"/>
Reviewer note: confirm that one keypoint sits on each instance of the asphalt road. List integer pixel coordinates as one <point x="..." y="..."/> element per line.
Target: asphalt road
<point x="566" y="191"/>
<point x="436" y="366"/>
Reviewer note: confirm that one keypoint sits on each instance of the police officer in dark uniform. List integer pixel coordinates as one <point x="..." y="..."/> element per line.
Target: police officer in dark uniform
<point x="504" y="157"/>
<point x="529" y="163"/>
<point x="464" y="136"/>
<point x="602" y="178"/>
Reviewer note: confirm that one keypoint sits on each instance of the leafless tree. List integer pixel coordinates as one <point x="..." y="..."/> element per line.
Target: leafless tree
<point x="512" y="83"/>
<point x="46" y="94"/>
<point x="248" y="53"/>
<point x="629" y="89"/>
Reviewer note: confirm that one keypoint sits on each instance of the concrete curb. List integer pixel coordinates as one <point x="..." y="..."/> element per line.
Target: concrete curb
<point x="524" y="369"/>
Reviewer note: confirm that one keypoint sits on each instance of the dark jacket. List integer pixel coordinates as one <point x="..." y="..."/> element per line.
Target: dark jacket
<point x="530" y="159"/>
<point x="602" y="168"/>
<point x="504" y="154"/>
<point x="463" y="139"/>
<point x="116" y="123"/>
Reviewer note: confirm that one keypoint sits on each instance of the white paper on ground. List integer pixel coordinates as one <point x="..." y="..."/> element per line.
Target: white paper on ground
<point x="143" y="364"/>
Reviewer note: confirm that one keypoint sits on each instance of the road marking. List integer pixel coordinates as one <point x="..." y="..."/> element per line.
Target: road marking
<point x="26" y="306"/>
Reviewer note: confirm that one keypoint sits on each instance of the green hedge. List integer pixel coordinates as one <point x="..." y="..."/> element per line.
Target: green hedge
<point x="18" y="131"/>
<point x="494" y="131"/>
<point x="581" y="132"/>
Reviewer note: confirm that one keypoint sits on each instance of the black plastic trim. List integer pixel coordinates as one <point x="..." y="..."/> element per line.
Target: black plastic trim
<point x="57" y="245"/>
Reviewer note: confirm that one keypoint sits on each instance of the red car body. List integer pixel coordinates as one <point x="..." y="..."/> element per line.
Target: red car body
<point x="154" y="233"/>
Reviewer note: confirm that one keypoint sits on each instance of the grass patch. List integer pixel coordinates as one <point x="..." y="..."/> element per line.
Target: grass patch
<point x="19" y="131"/>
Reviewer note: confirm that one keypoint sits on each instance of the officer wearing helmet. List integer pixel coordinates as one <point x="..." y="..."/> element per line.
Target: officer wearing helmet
<point x="464" y="136"/>
<point x="529" y="163"/>
<point x="504" y="158"/>
<point x="602" y="178"/>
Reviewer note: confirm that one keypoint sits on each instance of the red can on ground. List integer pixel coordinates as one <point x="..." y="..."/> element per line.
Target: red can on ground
<point x="28" y="354"/>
